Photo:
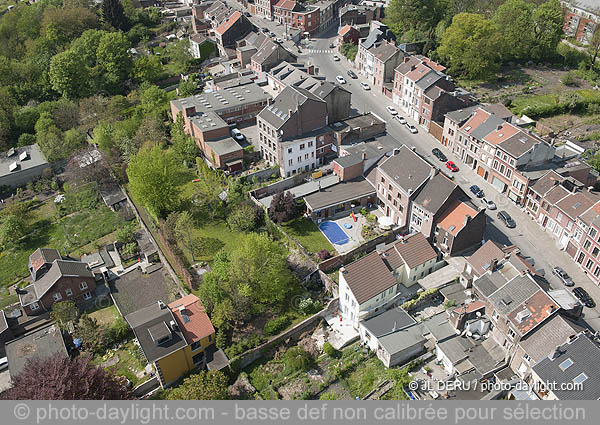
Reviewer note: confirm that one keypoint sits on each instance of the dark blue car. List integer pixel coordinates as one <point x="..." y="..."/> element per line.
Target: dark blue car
<point x="476" y="191"/>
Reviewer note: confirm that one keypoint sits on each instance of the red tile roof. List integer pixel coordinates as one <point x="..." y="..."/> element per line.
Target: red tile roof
<point x="455" y="216"/>
<point x="342" y="30"/>
<point x="475" y="121"/>
<point x="192" y="318"/>
<point x="286" y="4"/>
<point x="228" y="23"/>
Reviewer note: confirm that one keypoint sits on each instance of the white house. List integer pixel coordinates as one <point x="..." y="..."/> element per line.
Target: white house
<point x="371" y="283"/>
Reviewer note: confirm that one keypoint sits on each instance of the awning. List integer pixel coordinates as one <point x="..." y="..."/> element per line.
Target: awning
<point x="385" y="221"/>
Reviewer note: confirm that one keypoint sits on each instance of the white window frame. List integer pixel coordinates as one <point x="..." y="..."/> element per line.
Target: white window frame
<point x="57" y="296"/>
<point x="69" y="292"/>
<point x="87" y="296"/>
<point x="83" y="286"/>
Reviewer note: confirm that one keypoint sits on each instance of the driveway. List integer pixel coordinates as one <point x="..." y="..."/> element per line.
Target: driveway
<point x="528" y="235"/>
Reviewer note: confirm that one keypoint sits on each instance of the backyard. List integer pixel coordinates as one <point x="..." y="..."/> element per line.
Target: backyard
<point x="73" y="234"/>
<point x="308" y="234"/>
<point x="125" y="360"/>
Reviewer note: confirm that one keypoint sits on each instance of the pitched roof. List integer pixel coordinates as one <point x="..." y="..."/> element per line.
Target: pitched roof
<point x="547" y="182"/>
<point x="499" y="110"/>
<point x="461" y="114"/>
<point x="583" y="354"/>
<point x="368" y="277"/>
<point x="291" y="99"/>
<point x="436" y="191"/>
<point x="501" y="133"/>
<point x="454" y="218"/>
<point x="592" y="215"/>
<point x="268" y="49"/>
<point x="420" y="71"/>
<point x="406" y="67"/>
<point x="42" y="256"/>
<point x="152" y="323"/>
<point x="414" y="250"/>
<point x="519" y="144"/>
<point x="486" y="127"/>
<point x="407" y="169"/>
<point x="482" y="259"/>
<point x="403" y="339"/>
<point x="556" y="194"/>
<point x="286" y="4"/>
<point x="192" y="318"/>
<point x="58" y="269"/>
<point x="577" y="203"/>
<point x="343" y="30"/>
<point x="552" y="333"/>
<point x="341" y="192"/>
<point x="225" y="26"/>
<point x="384" y="51"/>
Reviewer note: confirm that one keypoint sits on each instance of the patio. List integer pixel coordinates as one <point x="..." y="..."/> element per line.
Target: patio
<point x="341" y="333"/>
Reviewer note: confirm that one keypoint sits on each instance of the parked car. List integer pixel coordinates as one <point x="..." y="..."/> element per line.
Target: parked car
<point x="584" y="297"/>
<point x="411" y="128"/>
<point x="391" y="110"/>
<point x="3" y="363"/>
<point x="451" y="166"/>
<point x="365" y="86"/>
<point x="439" y="154"/>
<point x="279" y="40"/>
<point x="506" y="219"/>
<point x="271" y="34"/>
<point x="331" y="46"/>
<point x="340" y="79"/>
<point x="247" y="14"/>
<point x="476" y="191"/>
<point x="489" y="204"/>
<point x="336" y="58"/>
<point x="237" y="135"/>
<point x="563" y="276"/>
<point x="401" y="119"/>
<point x="265" y="30"/>
<point x="352" y="75"/>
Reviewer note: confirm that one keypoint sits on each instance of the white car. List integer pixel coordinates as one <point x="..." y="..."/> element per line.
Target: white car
<point x="237" y="135"/>
<point x="490" y="205"/>
<point x="411" y="128"/>
<point x="391" y="110"/>
<point x="336" y="58"/>
<point x="340" y="79"/>
<point x="401" y="119"/>
<point x="279" y="40"/>
<point x="365" y="86"/>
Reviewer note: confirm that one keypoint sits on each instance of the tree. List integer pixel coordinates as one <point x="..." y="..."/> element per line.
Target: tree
<point x="12" y="229"/>
<point x="86" y="46"/>
<point x="64" y="313"/>
<point x="547" y="24"/>
<point x="223" y="314"/>
<point x="469" y="46"/>
<point x="155" y="179"/>
<point x="183" y="231"/>
<point x="329" y="395"/>
<point x="114" y="14"/>
<point x="112" y="55"/>
<point x="593" y="47"/>
<point x="259" y="268"/>
<point x="62" y="25"/>
<point x="147" y="69"/>
<point x="407" y="15"/>
<point x="297" y="359"/>
<point x="153" y="99"/>
<point x="513" y="20"/>
<point x="204" y="385"/>
<point x="64" y="378"/>
<point x="73" y="140"/>
<point x="283" y="207"/>
<point x="90" y="333"/>
<point x="243" y="218"/>
<point x="208" y="189"/>
<point x="184" y="146"/>
<point x="126" y="233"/>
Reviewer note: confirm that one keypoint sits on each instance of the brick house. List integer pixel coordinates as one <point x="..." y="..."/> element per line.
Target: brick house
<point x="386" y="56"/>
<point x="55" y="279"/>
<point x="264" y="8"/>
<point x="296" y="15"/>
<point x="364" y="61"/>
<point x="231" y="30"/>
<point x="269" y="55"/>
<point x="347" y="34"/>
<point x="353" y="14"/>
<point x="581" y="19"/>
<point x="460" y="227"/>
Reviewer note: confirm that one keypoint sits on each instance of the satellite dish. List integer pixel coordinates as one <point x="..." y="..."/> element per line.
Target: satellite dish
<point x="478" y="314"/>
<point x="281" y="132"/>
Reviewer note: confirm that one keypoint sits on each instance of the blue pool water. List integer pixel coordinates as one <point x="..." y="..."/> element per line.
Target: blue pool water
<point x="334" y="232"/>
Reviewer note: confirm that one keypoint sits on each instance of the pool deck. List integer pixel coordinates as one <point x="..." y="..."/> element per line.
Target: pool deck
<point x="354" y="234"/>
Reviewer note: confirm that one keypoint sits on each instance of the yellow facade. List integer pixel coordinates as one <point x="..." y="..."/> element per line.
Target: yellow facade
<point x="177" y="364"/>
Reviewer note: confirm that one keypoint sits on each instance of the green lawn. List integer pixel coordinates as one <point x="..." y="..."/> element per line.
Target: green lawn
<point x="308" y="234"/>
<point x="367" y="375"/>
<point x="129" y="362"/>
<point x="218" y="230"/>
<point x="105" y="316"/>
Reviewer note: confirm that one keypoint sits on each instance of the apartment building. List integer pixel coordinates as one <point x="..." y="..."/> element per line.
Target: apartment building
<point x="581" y="19"/>
<point x="230" y="31"/>
<point x="297" y="15"/>
<point x="365" y="60"/>
<point x="264" y="8"/>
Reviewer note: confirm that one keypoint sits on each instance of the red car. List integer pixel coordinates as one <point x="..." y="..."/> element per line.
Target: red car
<point x="451" y="166"/>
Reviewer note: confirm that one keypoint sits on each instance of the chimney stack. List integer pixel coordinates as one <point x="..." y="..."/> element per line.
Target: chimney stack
<point x="467" y="219"/>
<point x="364" y="156"/>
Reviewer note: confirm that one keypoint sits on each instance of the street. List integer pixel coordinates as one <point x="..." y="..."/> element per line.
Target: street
<point x="528" y="235"/>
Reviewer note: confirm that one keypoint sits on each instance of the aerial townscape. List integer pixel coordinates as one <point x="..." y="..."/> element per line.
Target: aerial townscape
<point x="300" y="200"/>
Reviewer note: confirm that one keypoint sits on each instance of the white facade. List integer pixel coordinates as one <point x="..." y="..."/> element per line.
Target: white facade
<point x="298" y="156"/>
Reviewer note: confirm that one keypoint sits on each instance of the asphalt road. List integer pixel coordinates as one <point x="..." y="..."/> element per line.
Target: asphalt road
<point x="528" y="235"/>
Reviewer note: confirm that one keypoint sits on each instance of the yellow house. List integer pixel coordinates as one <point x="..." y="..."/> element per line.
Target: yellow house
<point x="176" y="338"/>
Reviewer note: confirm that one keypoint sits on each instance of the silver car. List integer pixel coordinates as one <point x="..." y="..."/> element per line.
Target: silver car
<point x="489" y="204"/>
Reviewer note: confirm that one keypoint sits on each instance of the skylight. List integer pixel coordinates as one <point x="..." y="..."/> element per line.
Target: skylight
<point x="582" y="377"/>
<point x="576" y="205"/>
<point x="468" y="127"/>
<point x="566" y="364"/>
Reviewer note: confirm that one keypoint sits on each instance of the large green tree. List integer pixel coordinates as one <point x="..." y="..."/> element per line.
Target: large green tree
<point x="547" y="25"/>
<point x="513" y="20"/>
<point x="409" y="15"/>
<point x="203" y="385"/>
<point x="114" y="14"/>
<point x="155" y="179"/>
<point x="64" y="313"/>
<point x="112" y="55"/>
<point x="470" y="46"/>
<point x="69" y="74"/>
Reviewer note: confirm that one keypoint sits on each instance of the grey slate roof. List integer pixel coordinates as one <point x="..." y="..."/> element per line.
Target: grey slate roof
<point x="487" y="286"/>
<point x="584" y="353"/>
<point x="439" y="327"/>
<point x="39" y="344"/>
<point x="547" y="182"/>
<point x="153" y="321"/>
<point x="428" y="80"/>
<point x="513" y="294"/>
<point x="290" y="99"/>
<point x="349" y="160"/>
<point x="436" y="191"/>
<point x="552" y="333"/>
<point x="59" y="268"/>
<point x="407" y="169"/>
<point x="224" y="146"/>
<point x="487" y="127"/>
<point x="461" y="115"/>
<point x="519" y="144"/>
<point x="388" y="322"/>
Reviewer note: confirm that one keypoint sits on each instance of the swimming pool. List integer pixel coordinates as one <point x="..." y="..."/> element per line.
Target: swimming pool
<point x="334" y="232"/>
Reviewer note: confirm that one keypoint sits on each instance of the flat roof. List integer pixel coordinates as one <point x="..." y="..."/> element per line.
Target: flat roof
<point x="34" y="158"/>
<point x="305" y="188"/>
<point x="224" y="146"/>
<point x="341" y="192"/>
<point x="41" y="344"/>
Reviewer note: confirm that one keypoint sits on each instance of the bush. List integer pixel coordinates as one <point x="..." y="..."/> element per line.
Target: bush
<point x="309" y="306"/>
<point x="296" y="360"/>
<point x="323" y="254"/>
<point x="569" y="79"/>
<point x="244" y="345"/>
<point x="274" y="326"/>
<point x="330" y="351"/>
<point x="117" y="332"/>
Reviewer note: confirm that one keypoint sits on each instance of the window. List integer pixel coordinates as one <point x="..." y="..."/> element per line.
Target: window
<point x="57" y="296"/>
<point x="526" y="357"/>
<point x="310" y="144"/>
<point x="34" y="306"/>
<point x="559" y="216"/>
<point x="290" y="162"/>
<point x="511" y="333"/>
<point x="565" y="364"/>
<point x="495" y="315"/>
<point x="587" y="244"/>
<point x="579" y="379"/>
<point x="593" y="232"/>
<point x="302" y="146"/>
<point x="595" y="251"/>
<point x="83" y="286"/>
<point x="289" y="150"/>
<point x="306" y="156"/>
<point x="69" y="292"/>
<point x="589" y="264"/>
<point x="195" y="345"/>
<point x="87" y="296"/>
